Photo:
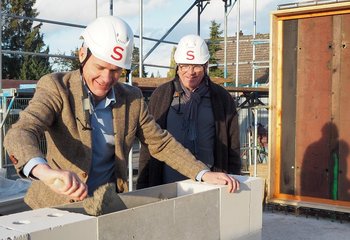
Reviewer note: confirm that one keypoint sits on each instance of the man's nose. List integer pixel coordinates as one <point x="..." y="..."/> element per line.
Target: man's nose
<point x="191" y="70"/>
<point x="106" y="75"/>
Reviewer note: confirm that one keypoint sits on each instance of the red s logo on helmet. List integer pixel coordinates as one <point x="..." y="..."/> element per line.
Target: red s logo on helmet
<point x="190" y="55"/>
<point x="117" y="53"/>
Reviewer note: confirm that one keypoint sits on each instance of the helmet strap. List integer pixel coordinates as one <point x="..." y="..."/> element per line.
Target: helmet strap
<point x="82" y="64"/>
<point x="206" y="68"/>
<point x="127" y="76"/>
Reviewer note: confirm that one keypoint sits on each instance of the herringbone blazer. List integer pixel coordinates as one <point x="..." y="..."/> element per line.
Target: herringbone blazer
<point x="57" y="111"/>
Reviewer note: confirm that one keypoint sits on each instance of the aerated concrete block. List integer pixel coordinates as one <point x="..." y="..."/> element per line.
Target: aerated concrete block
<point x="144" y="222"/>
<point x="49" y="223"/>
<point x="181" y="210"/>
<point x="248" y="205"/>
<point x="194" y="216"/>
<point x="234" y="212"/>
<point x="256" y="203"/>
<point x="197" y="216"/>
<point x="240" y="212"/>
<point x="149" y="195"/>
<point x="7" y="233"/>
<point x="257" y="235"/>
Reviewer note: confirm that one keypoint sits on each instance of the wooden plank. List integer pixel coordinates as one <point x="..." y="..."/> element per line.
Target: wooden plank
<point x="344" y="120"/>
<point x="264" y="90"/>
<point x="313" y="106"/>
<point x="334" y="124"/>
<point x="262" y="170"/>
<point x="312" y="11"/>
<point x="324" y="204"/>
<point x="271" y="189"/>
<point x="290" y="38"/>
<point x="312" y="15"/>
<point x="155" y="82"/>
<point x="275" y="107"/>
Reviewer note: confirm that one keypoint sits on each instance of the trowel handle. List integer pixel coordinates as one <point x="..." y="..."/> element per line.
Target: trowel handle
<point x="58" y="183"/>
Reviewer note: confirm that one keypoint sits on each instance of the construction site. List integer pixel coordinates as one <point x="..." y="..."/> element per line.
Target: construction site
<point x="290" y="88"/>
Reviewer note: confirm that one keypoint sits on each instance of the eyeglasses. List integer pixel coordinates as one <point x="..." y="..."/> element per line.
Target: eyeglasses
<point x="187" y="67"/>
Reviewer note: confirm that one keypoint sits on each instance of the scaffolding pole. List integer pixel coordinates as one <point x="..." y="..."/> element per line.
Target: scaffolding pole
<point x="237" y="38"/>
<point x="225" y="36"/>
<point x="141" y="40"/>
<point x="253" y="84"/>
<point x="225" y="41"/>
<point x="111" y="7"/>
<point x="254" y="37"/>
<point x="2" y="99"/>
<point x="200" y="9"/>
<point x="96" y="9"/>
<point x="169" y="31"/>
<point x="227" y="13"/>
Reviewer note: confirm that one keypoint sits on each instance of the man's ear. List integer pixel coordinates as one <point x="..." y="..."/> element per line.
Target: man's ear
<point x="206" y="68"/>
<point x="177" y="69"/>
<point x="82" y="54"/>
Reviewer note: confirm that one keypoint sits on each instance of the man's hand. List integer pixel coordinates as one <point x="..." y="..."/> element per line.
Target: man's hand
<point x="60" y="181"/>
<point x="222" y="179"/>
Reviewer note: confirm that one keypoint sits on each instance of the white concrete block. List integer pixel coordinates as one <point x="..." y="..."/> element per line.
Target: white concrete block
<point x="257" y="235"/>
<point x="145" y="222"/>
<point x="240" y="212"/>
<point x="7" y="233"/>
<point x="50" y="223"/>
<point x="245" y="207"/>
<point x="149" y="195"/>
<point x="184" y="217"/>
<point x="182" y="210"/>
<point x="197" y="216"/>
<point x="256" y="203"/>
<point x="187" y="187"/>
<point x="234" y="212"/>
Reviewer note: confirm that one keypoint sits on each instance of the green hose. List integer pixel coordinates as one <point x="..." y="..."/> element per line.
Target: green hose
<point x="335" y="183"/>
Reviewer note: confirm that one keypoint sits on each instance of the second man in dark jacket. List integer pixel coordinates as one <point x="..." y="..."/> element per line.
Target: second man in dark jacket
<point x="198" y="113"/>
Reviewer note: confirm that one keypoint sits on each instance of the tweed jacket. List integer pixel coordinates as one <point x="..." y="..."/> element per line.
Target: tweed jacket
<point x="57" y="110"/>
<point x="227" y="146"/>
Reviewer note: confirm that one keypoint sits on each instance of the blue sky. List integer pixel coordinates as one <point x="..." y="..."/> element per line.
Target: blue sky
<point x="159" y="16"/>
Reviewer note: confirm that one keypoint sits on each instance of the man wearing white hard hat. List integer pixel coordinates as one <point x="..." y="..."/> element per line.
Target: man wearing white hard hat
<point x="90" y="121"/>
<point x="200" y="114"/>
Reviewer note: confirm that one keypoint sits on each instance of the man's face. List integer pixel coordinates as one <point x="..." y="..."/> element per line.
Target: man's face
<point x="191" y="75"/>
<point x="100" y="76"/>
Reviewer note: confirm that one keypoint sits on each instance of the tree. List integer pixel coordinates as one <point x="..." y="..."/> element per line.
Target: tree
<point x="214" y="47"/>
<point x="135" y="64"/>
<point x="67" y="64"/>
<point x="20" y="35"/>
<point x="171" y="73"/>
<point x="34" y="67"/>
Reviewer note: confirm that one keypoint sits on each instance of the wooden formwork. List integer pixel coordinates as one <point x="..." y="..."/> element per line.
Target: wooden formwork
<point x="309" y="113"/>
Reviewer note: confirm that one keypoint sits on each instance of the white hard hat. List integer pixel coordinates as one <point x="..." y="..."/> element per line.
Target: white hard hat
<point x="191" y="50"/>
<point x="110" y="39"/>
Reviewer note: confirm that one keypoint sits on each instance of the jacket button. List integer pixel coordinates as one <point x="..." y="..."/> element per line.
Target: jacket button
<point x="84" y="174"/>
<point x="13" y="159"/>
